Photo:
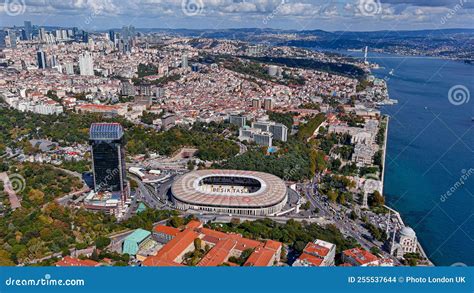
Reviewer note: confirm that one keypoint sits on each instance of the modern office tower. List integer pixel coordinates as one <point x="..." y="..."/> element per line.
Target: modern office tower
<point x="42" y="34"/>
<point x="12" y="38"/>
<point x="256" y="104"/>
<point x="85" y="37"/>
<point x="184" y="61"/>
<point x="28" y="29"/>
<point x="86" y="64"/>
<point x="238" y="120"/>
<point x="3" y="35"/>
<point x="108" y="158"/>
<point x="41" y="59"/>
<point x="23" y="35"/>
<point x="112" y="36"/>
<point x="268" y="104"/>
<point x="54" y="61"/>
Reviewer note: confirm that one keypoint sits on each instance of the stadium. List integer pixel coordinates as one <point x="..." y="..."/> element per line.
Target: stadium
<point x="230" y="192"/>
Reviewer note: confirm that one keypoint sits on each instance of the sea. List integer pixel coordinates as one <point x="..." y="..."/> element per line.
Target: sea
<point x="429" y="175"/>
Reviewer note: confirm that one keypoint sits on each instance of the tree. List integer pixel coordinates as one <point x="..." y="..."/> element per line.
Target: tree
<point x="375" y="251"/>
<point x="197" y="243"/>
<point x="102" y="242"/>
<point x="176" y="221"/>
<point x="306" y="206"/>
<point x="376" y="200"/>
<point x="332" y="195"/>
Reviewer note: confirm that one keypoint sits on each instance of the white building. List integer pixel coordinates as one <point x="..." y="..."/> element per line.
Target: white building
<point x="403" y="242"/>
<point x="86" y="64"/>
<point x="318" y="254"/>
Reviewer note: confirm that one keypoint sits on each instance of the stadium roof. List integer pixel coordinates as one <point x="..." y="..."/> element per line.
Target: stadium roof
<point x="106" y="131"/>
<point x="272" y="192"/>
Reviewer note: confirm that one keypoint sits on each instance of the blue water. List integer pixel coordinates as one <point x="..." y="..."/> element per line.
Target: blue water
<point x="430" y="146"/>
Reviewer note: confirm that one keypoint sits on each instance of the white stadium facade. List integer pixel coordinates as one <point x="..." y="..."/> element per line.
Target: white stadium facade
<point x="230" y="192"/>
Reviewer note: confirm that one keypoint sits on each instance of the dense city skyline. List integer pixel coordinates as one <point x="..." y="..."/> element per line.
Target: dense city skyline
<point x="347" y="15"/>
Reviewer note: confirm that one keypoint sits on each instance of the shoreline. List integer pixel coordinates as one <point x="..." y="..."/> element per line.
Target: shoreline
<point x="397" y="214"/>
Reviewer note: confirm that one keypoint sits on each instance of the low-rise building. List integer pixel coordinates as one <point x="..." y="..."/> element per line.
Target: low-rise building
<point x="317" y="254"/>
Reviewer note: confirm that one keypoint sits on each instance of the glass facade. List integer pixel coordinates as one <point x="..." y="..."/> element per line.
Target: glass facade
<point x="108" y="157"/>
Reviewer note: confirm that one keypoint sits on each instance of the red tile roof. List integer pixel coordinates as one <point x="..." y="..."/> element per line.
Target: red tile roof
<point x="194" y="224"/>
<point x="218" y="254"/>
<point x="316" y="249"/>
<point x="166" y="230"/>
<point x="310" y="259"/>
<point x="68" y="261"/>
<point x="359" y="255"/>
<point x="261" y="257"/>
<point x="174" y="248"/>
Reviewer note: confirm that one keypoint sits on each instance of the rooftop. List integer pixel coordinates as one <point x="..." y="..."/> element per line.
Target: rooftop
<point x="106" y="131"/>
<point x="68" y="261"/>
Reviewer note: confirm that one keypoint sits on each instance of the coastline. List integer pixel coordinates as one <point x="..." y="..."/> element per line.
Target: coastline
<point x="397" y="214"/>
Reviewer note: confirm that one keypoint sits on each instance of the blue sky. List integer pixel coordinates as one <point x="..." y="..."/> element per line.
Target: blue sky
<point x="329" y="15"/>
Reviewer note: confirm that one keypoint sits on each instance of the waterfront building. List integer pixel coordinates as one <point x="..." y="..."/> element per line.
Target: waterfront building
<point x="403" y="241"/>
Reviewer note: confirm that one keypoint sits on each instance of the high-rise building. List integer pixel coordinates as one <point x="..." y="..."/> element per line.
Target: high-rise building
<point x="12" y="38"/>
<point x="85" y="37"/>
<point x="41" y="59"/>
<point x="86" y="64"/>
<point x="28" y="29"/>
<point x="256" y="104"/>
<point x="112" y="36"/>
<point x="108" y="158"/>
<point x="69" y="68"/>
<point x="42" y="34"/>
<point x="268" y="104"/>
<point x="184" y="61"/>
<point x="3" y="35"/>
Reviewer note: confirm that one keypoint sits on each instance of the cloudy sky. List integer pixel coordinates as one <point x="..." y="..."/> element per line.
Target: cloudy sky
<point x="328" y="15"/>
